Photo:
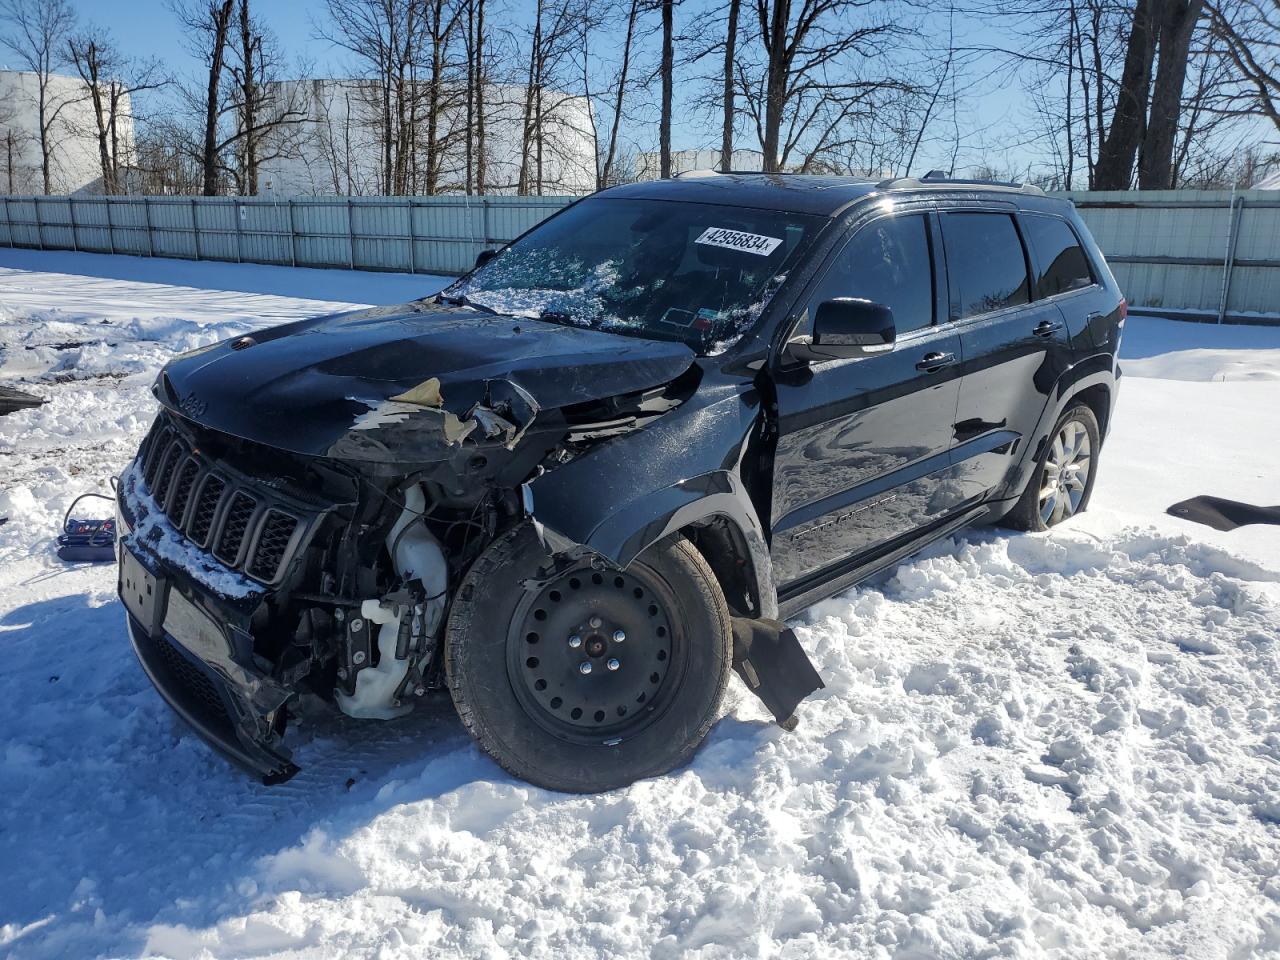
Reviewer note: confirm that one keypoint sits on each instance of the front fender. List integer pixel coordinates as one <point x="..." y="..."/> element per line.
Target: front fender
<point x="684" y="468"/>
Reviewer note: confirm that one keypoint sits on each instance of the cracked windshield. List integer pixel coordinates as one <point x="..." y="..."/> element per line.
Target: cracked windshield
<point x="693" y="272"/>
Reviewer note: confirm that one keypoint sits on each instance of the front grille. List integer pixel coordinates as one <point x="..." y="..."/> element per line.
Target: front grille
<point x="180" y="492"/>
<point x="206" y="509"/>
<point x="273" y="540"/>
<point x="194" y="682"/>
<point x="239" y="513"/>
<point x="246" y="525"/>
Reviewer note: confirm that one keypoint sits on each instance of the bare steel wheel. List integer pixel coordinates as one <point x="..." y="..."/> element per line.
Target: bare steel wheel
<point x="590" y="653"/>
<point x="578" y="676"/>
<point x="1062" y="481"/>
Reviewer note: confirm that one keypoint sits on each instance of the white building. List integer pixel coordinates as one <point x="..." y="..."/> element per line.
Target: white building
<point x="74" y="162"/>
<point x="338" y="150"/>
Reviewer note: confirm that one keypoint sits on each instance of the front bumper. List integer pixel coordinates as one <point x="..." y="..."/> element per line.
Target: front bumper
<point x="209" y="704"/>
<point x="194" y="644"/>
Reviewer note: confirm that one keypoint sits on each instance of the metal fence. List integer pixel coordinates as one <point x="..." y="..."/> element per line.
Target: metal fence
<point x="1208" y="254"/>
<point x="408" y="234"/>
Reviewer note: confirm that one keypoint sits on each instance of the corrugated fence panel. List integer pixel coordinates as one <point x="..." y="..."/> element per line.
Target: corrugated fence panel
<point x="264" y="232"/>
<point x="380" y="226"/>
<point x="90" y="216"/>
<point x="54" y="215"/>
<point x="1168" y="249"/>
<point x="173" y="227"/>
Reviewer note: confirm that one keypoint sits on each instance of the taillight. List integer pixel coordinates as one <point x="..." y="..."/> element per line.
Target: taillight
<point x="1124" y="311"/>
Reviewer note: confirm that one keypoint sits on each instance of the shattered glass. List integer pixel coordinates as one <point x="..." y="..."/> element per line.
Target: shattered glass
<point x="697" y="273"/>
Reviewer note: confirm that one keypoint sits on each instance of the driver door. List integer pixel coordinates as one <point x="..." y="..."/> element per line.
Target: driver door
<point x="863" y="453"/>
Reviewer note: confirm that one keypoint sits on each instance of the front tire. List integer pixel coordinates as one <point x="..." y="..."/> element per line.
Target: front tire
<point x="1062" y="482"/>
<point x="580" y="677"/>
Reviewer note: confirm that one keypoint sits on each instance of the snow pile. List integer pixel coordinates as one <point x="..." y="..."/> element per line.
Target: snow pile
<point x="1176" y="350"/>
<point x="1063" y="745"/>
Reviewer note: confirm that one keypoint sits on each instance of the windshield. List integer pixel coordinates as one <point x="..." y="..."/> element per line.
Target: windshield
<point x="666" y="270"/>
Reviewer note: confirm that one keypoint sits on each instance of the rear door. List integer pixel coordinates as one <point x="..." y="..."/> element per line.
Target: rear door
<point x="1014" y="345"/>
<point x="863" y="452"/>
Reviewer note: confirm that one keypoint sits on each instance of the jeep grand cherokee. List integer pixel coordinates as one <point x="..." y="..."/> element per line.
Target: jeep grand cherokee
<point x="588" y="480"/>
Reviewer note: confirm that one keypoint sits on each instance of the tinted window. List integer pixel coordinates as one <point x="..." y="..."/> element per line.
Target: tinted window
<point x="888" y="262"/>
<point x="985" y="255"/>
<point x="1062" y="262"/>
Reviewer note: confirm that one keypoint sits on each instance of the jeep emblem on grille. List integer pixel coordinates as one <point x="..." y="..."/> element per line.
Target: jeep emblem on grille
<point x="192" y="405"/>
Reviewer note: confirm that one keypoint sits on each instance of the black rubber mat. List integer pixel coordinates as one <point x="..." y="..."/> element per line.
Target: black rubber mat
<point x="1223" y="514"/>
<point x="11" y="400"/>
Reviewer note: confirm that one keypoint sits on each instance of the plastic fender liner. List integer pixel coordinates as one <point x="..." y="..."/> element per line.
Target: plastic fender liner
<point x="633" y="490"/>
<point x="768" y="657"/>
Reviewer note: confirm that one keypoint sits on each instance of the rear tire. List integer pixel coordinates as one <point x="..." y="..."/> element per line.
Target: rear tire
<point x="580" y="677"/>
<point x="1062" y="482"/>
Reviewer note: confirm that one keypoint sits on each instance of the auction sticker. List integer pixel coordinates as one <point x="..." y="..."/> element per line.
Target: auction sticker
<point x="755" y="243"/>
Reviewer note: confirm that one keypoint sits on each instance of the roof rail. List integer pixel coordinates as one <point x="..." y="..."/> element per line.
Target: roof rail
<point x="936" y="178"/>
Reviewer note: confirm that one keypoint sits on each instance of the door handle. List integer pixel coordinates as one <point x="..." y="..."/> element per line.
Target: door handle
<point x="1047" y="328"/>
<point x="933" y="362"/>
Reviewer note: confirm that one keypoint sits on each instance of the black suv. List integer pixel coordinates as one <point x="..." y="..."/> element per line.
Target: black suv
<point x="588" y="480"/>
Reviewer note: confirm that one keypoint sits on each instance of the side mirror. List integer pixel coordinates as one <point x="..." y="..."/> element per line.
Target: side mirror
<point x="846" y="328"/>
<point x="483" y="257"/>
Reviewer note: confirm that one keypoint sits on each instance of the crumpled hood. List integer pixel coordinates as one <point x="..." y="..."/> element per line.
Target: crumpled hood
<point x="306" y="386"/>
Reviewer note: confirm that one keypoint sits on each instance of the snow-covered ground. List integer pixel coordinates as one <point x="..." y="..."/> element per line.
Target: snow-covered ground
<point x="1063" y="745"/>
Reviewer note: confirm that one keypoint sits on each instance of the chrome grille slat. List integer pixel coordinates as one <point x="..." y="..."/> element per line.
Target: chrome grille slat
<point x="242" y="524"/>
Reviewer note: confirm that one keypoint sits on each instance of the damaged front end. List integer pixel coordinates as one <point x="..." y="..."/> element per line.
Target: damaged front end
<point x="307" y="500"/>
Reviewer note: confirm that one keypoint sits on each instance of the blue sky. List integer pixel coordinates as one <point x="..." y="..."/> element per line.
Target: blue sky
<point x="148" y="27"/>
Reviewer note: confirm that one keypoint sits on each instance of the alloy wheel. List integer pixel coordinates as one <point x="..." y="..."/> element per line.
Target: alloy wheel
<point x="1065" y="476"/>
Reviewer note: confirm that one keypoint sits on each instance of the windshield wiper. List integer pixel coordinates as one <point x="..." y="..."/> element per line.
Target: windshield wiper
<point x="461" y="301"/>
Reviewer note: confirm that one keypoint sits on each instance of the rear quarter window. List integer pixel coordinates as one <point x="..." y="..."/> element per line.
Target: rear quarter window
<point x="1062" y="263"/>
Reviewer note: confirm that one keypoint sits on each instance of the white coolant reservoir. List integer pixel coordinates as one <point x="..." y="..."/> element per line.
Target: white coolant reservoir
<point x="416" y="554"/>
<point x="375" y="694"/>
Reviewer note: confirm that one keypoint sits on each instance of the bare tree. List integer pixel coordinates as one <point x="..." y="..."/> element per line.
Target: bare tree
<point x="554" y="38"/>
<point x="36" y="32"/>
<point x="263" y="111"/>
<point x="608" y="167"/>
<point x="208" y="28"/>
<point x="811" y="84"/>
<point x="112" y="80"/>
<point x="1177" y="23"/>
<point x="1249" y="31"/>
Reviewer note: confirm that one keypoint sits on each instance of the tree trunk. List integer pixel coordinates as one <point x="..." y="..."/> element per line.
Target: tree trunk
<point x="46" y="148"/>
<point x="472" y="70"/>
<point x="668" y="64"/>
<point x="221" y="20"/>
<point x="527" y="131"/>
<point x="775" y="83"/>
<point x="730" y="50"/>
<point x="606" y="171"/>
<point x="1177" y="22"/>
<point x="480" y="81"/>
<point x="249" y="106"/>
<point x="1116" y="156"/>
